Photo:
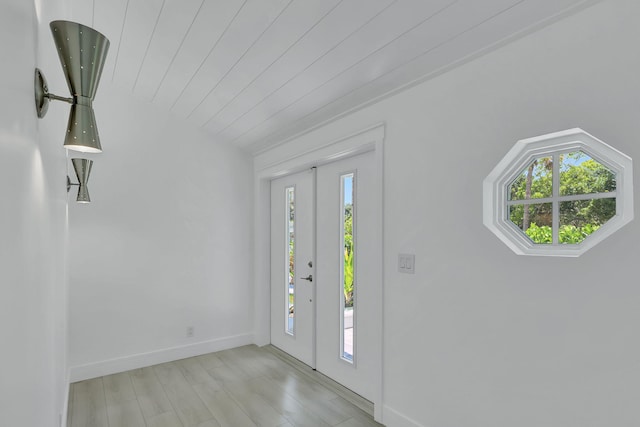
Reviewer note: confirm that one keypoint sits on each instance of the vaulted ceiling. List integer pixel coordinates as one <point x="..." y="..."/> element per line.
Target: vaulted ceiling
<point x="255" y="72"/>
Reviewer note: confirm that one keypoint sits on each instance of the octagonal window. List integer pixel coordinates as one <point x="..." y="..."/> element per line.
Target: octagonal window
<point x="583" y="194"/>
<point x="558" y="194"/>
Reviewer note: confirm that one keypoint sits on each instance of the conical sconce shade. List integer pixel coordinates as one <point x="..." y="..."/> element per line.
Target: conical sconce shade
<point x="83" y="195"/>
<point x="82" y="132"/>
<point x="82" y="52"/>
<point x="82" y="168"/>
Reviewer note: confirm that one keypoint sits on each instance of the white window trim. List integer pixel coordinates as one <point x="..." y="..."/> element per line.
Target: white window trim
<point x="495" y="190"/>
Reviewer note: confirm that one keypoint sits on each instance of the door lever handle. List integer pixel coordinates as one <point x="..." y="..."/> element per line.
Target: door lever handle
<point x="309" y="278"/>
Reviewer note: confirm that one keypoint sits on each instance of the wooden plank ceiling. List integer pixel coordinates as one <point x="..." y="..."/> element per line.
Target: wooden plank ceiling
<point x="255" y="72"/>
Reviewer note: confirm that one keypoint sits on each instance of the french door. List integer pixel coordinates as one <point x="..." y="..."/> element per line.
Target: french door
<point x="323" y="295"/>
<point x="292" y="243"/>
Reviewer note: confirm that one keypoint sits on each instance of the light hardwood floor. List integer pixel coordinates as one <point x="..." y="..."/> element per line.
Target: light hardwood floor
<point x="245" y="386"/>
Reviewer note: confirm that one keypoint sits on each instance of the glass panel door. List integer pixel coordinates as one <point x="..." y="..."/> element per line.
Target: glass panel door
<point x="346" y="290"/>
<point x="292" y="285"/>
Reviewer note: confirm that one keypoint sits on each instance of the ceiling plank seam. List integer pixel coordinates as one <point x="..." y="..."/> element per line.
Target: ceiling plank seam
<point x="124" y="20"/>
<point x="186" y="34"/>
<point x="241" y="91"/>
<point x="241" y="56"/>
<point x="209" y="54"/>
<point x="492" y="17"/>
<point x="356" y="30"/>
<point x="146" y="52"/>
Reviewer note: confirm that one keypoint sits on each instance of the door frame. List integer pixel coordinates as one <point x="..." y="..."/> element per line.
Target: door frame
<point x="365" y="140"/>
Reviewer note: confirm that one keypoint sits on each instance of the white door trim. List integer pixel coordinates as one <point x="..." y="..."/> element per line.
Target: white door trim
<point x="369" y="139"/>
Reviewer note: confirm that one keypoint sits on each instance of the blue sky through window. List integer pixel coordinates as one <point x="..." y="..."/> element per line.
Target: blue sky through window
<point x="348" y="189"/>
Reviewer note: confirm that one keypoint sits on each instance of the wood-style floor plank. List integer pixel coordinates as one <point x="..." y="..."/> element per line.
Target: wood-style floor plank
<point x="355" y="422"/>
<point x="260" y="412"/>
<point x="323" y="409"/>
<point x="209" y="361"/>
<point x="118" y="388"/>
<point x="226" y="411"/>
<point x="195" y="373"/>
<point x="151" y="395"/>
<point x="277" y="397"/>
<point x="125" y="414"/>
<point x="188" y="405"/>
<point x="247" y="386"/>
<point x="243" y="360"/>
<point x="170" y="374"/>
<point x="347" y="408"/>
<point x="210" y="423"/>
<point x="168" y="419"/>
<point x="228" y="374"/>
<point x="89" y="406"/>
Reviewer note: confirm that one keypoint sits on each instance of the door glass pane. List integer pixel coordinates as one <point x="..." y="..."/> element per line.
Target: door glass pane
<point x="347" y="300"/>
<point x="290" y="290"/>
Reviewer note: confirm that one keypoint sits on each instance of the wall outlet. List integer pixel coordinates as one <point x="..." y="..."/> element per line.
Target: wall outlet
<point x="190" y="331"/>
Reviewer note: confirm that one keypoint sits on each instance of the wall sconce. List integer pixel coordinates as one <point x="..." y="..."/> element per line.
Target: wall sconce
<point x="82" y="168"/>
<point x="82" y="51"/>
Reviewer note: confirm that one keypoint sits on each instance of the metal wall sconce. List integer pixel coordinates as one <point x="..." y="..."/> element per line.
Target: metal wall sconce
<point x="82" y="51"/>
<point x="82" y="168"/>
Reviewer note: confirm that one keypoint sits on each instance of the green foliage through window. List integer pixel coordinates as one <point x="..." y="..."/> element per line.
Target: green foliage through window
<point x="581" y="178"/>
<point x="348" y="255"/>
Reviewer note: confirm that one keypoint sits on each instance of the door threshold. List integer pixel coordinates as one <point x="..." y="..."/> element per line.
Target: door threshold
<point x="348" y="395"/>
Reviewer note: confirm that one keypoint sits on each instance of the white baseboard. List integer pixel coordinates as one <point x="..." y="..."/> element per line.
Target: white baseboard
<point x="141" y="360"/>
<point x="393" y="418"/>
<point x="65" y="404"/>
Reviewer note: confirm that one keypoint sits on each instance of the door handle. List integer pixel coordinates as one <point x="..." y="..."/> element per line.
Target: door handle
<point x="309" y="278"/>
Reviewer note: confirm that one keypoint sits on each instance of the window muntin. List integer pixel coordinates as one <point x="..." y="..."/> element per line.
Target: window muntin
<point x="587" y="178"/>
<point x="290" y="239"/>
<point x="348" y="267"/>
<point x="573" y="184"/>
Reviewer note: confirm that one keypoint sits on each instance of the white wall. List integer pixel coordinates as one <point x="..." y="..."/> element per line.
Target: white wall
<point x="480" y="336"/>
<point x="165" y="243"/>
<point x="32" y="235"/>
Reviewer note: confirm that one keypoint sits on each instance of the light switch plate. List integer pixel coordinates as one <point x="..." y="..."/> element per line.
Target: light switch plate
<point x="406" y="263"/>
